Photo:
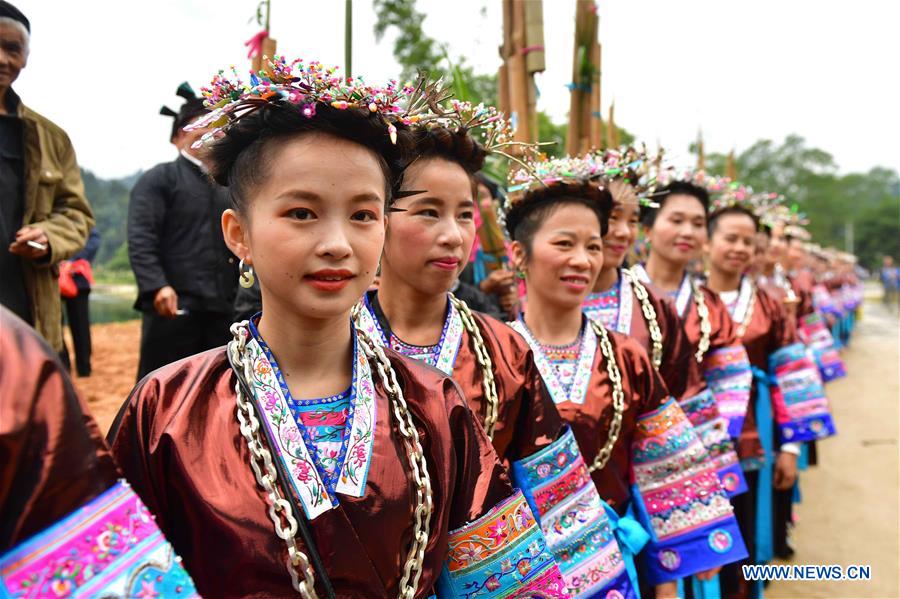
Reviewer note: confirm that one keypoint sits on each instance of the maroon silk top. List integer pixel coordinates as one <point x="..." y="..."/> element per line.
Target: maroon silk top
<point x="644" y="391"/>
<point x="679" y="370"/>
<point x="178" y="441"/>
<point x="770" y="328"/>
<point x="527" y="419"/>
<point x="52" y="455"/>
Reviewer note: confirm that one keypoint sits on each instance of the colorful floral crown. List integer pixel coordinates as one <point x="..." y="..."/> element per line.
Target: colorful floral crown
<point x="628" y="164"/>
<point x="789" y="217"/>
<point x="306" y="86"/>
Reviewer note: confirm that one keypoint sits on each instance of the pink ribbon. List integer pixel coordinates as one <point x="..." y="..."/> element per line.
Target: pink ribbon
<point x="254" y="44"/>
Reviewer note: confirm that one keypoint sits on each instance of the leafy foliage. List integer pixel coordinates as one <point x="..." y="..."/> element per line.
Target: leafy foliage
<point x="808" y="177"/>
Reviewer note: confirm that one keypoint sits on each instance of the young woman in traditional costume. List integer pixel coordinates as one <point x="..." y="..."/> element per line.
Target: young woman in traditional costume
<point x="429" y="235"/>
<point x="788" y="404"/>
<point x="675" y="233"/>
<point x="69" y="526"/>
<point x="645" y="457"/>
<point x="306" y="457"/>
<point x="624" y="304"/>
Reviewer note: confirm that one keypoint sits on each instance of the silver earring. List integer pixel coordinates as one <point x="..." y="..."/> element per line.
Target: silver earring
<point x="245" y="278"/>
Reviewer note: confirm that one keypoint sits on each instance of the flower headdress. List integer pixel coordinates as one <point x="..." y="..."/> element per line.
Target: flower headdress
<point x="306" y="86"/>
<point x="594" y="170"/>
<point x="628" y="164"/>
<point x="793" y="221"/>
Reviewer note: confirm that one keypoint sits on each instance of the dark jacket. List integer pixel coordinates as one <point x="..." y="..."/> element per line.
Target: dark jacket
<point x="175" y="238"/>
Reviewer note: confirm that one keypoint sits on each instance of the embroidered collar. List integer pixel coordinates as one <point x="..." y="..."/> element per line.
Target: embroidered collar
<point x="618" y="300"/>
<point x="738" y="309"/>
<point x="372" y="321"/>
<point x="309" y="480"/>
<point x="682" y="296"/>
<point x="577" y="389"/>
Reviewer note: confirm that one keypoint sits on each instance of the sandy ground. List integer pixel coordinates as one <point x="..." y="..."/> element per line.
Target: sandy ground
<point x="114" y="368"/>
<point x="849" y="513"/>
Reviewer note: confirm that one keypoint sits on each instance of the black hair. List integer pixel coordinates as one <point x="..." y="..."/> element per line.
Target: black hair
<point x="740" y="210"/>
<point x="456" y="146"/>
<point x="648" y="215"/>
<point x="524" y="219"/>
<point x="240" y="159"/>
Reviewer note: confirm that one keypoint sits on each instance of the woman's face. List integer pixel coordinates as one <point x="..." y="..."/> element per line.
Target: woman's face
<point x="428" y="244"/>
<point x="314" y="230"/>
<point x="565" y="259"/>
<point x="623" y="227"/>
<point x="732" y="245"/>
<point x="679" y="231"/>
<point x="777" y="246"/>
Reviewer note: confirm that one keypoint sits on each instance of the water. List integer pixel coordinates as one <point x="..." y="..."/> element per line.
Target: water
<point x="112" y="304"/>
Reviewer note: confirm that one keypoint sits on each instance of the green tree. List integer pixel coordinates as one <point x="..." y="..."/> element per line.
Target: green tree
<point x="808" y="178"/>
<point x="416" y="52"/>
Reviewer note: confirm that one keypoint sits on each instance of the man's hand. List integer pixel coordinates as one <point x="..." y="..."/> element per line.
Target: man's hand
<point x="22" y="248"/>
<point x="497" y="282"/>
<point x="166" y="302"/>
<point x="667" y="590"/>
<point x="785" y="471"/>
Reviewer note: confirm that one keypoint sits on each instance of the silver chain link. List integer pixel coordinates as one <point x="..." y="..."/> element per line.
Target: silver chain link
<point x="492" y="402"/>
<point x="649" y="316"/>
<point x="280" y="510"/>
<point x="412" y="568"/>
<point x="267" y="475"/>
<point x="618" y="397"/>
<point x="703" y="315"/>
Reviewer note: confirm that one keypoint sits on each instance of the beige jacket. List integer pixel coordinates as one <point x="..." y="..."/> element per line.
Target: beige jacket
<point x="55" y="203"/>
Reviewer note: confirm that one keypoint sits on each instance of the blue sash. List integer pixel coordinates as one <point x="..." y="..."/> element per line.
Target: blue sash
<point x="763" y="412"/>
<point x="631" y="537"/>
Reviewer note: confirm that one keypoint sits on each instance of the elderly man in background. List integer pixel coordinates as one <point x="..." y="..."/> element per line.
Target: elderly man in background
<point x="44" y="216"/>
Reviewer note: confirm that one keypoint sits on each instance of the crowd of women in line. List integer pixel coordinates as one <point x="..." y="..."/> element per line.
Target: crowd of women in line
<point x="636" y="430"/>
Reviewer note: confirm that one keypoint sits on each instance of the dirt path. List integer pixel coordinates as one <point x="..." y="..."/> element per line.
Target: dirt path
<point x="849" y="513"/>
<point x="114" y="364"/>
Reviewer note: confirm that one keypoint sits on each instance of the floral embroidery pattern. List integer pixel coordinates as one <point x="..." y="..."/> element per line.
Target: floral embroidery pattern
<point x="560" y="390"/>
<point x="441" y="356"/>
<point x="315" y="486"/>
<point x="109" y="547"/>
<point x="284" y="433"/>
<point x="612" y="308"/>
<point x="501" y="554"/>
<point x="573" y="518"/>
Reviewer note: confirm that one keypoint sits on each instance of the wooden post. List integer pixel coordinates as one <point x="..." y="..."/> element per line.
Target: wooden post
<point x="523" y="55"/>
<point x="584" y="76"/>
<point x="348" y="38"/>
<point x="596" y="136"/>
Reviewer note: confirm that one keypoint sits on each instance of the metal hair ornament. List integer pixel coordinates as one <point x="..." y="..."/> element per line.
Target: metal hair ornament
<point x="307" y="86"/>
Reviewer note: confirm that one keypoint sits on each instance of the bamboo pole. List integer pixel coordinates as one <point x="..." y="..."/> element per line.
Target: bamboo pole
<point x="348" y="38"/>
<point x="583" y="78"/>
<point x="523" y="55"/>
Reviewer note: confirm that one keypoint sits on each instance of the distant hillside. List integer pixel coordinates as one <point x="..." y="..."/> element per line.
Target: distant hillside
<point x="109" y="199"/>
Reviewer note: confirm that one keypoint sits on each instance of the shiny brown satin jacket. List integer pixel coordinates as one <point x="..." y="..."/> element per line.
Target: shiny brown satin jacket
<point x="644" y="392"/>
<point x="52" y="456"/>
<point x="177" y="439"/>
<point x="527" y="420"/>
